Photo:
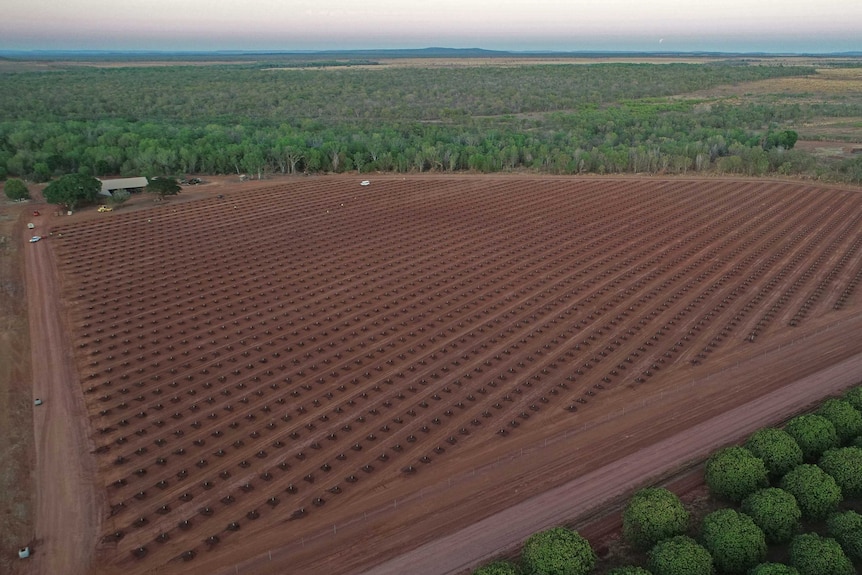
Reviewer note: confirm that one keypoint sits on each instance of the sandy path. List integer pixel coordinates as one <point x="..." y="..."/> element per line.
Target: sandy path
<point x="470" y="547"/>
<point x="67" y="502"/>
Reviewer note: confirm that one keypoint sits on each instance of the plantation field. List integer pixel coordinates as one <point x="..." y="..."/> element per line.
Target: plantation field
<point x="316" y="376"/>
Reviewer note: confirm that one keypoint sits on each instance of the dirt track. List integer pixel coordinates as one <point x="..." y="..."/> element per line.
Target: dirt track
<point x="323" y="376"/>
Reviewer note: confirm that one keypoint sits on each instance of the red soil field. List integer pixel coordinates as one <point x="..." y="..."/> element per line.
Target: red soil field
<point x="317" y="376"/>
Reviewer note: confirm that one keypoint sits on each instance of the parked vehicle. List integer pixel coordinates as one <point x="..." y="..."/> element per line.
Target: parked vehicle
<point x="35" y="239"/>
<point x="105" y="209"/>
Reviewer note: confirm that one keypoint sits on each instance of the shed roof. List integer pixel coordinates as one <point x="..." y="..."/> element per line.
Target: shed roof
<point x="109" y="186"/>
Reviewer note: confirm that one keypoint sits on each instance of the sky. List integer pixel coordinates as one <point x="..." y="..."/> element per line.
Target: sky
<point x="519" y="25"/>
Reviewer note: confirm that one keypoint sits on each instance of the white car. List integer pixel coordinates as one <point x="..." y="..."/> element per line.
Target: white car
<point x="364" y="183"/>
<point x="35" y="239"/>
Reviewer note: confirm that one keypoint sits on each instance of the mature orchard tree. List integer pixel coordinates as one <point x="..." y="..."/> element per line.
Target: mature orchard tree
<point x="773" y="569"/>
<point x="845" y="467"/>
<point x="815" y="491"/>
<point x="854" y="396"/>
<point x="814" y="434"/>
<point x="498" y="568"/>
<point x="733" y="539"/>
<point x="846" y="528"/>
<point x="734" y="473"/>
<point x="812" y="554"/>
<point x="776" y="448"/>
<point x="73" y="190"/>
<point x="163" y="186"/>
<point x="652" y="515"/>
<point x="680" y="555"/>
<point x="558" y="551"/>
<point x="629" y="570"/>
<point x="846" y="418"/>
<point x="16" y="190"/>
<point x="775" y="511"/>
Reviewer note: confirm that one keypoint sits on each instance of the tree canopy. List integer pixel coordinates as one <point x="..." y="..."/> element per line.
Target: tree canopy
<point x="846" y="418"/>
<point x="773" y="569"/>
<point x="776" y="448"/>
<point x="816" y="492"/>
<point x="854" y="396"/>
<point x="845" y="466"/>
<point x="775" y="511"/>
<point x="653" y="514"/>
<point x="163" y="186"/>
<point x="846" y="528"/>
<point x="812" y="554"/>
<point x="16" y="190"/>
<point x="498" y="568"/>
<point x="734" y="473"/>
<point x="680" y="555"/>
<point x="558" y="551"/>
<point x="73" y="190"/>
<point x="733" y="539"/>
<point x="814" y="434"/>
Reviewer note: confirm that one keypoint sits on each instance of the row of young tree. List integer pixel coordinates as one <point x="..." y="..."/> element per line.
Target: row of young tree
<point x="780" y="488"/>
<point x="547" y="119"/>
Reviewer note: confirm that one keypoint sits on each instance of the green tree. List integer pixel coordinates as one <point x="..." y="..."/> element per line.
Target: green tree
<point x="814" y="434"/>
<point x="854" y="396"/>
<point x="498" y="568"/>
<point x="812" y="554"/>
<point x="734" y="473"/>
<point x="775" y="511"/>
<point x="16" y="190"/>
<point x="846" y="528"/>
<point x="163" y="187"/>
<point x="846" y="418"/>
<point x="558" y="551"/>
<point x="73" y="190"/>
<point x="653" y="514"/>
<point x="776" y="448"/>
<point x="815" y="491"/>
<point x="773" y="569"/>
<point x="733" y="539"/>
<point x="629" y="570"/>
<point x="680" y="555"/>
<point x="845" y="466"/>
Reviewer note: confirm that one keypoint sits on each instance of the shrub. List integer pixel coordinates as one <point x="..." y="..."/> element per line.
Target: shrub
<point x="16" y="190"/>
<point x="775" y="511"/>
<point x="498" y="568"/>
<point x="846" y="528"/>
<point x="815" y="491"/>
<point x="814" y="434"/>
<point x="734" y="473"/>
<point x="558" y="551"/>
<point x="845" y="467"/>
<point x="680" y="555"/>
<point x="653" y="514"/>
<point x="812" y="554"/>
<point x="777" y="448"/>
<point x="735" y="542"/>
<point x="846" y="418"/>
<point x="773" y="569"/>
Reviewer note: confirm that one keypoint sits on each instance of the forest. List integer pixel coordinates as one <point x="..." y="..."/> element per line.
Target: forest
<point x="265" y="117"/>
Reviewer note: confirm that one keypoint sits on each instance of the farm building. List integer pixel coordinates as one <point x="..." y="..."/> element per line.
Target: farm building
<point x="131" y="184"/>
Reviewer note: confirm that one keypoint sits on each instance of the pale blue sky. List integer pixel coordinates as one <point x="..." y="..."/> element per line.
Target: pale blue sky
<point x="673" y="25"/>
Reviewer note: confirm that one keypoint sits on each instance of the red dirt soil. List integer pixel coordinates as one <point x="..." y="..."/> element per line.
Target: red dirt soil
<point x="317" y="376"/>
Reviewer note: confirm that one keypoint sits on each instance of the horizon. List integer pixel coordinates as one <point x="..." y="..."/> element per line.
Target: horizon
<point x="736" y="26"/>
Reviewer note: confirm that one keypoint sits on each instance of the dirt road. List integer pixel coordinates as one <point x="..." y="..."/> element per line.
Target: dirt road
<point x="67" y="502"/>
<point x="505" y="531"/>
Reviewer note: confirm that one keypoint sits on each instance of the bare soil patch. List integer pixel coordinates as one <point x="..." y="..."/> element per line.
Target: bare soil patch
<point x="322" y="375"/>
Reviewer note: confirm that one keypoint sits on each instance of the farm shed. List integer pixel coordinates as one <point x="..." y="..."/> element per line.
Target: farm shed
<point x="111" y="186"/>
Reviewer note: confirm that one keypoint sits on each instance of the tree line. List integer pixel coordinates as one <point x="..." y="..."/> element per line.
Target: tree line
<point x="560" y="119"/>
